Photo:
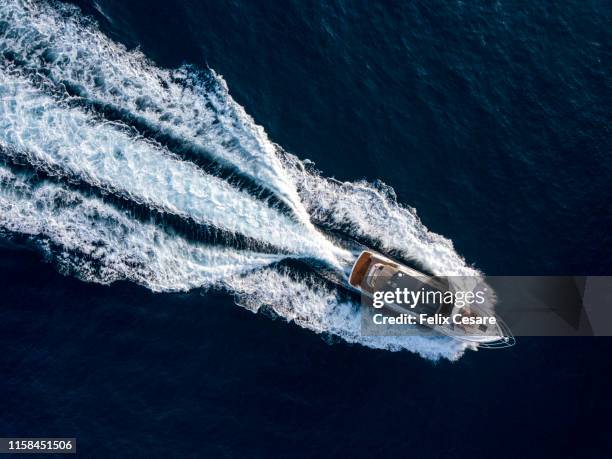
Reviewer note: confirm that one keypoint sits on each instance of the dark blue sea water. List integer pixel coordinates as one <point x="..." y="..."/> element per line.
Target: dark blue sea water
<point x="492" y="119"/>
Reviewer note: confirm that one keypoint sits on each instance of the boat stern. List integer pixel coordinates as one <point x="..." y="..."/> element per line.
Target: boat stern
<point x="360" y="269"/>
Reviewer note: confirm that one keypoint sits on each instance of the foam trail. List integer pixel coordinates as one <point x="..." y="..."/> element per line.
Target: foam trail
<point x="314" y="307"/>
<point x="55" y="38"/>
<point x="51" y="43"/>
<point x="371" y="211"/>
<point x="38" y="127"/>
<point x="99" y="243"/>
<point x="86" y="237"/>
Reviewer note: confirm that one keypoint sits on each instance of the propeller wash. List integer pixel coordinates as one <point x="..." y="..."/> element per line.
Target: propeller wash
<point x="117" y="169"/>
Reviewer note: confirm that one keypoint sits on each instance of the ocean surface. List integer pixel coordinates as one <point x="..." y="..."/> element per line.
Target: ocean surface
<point x="184" y="185"/>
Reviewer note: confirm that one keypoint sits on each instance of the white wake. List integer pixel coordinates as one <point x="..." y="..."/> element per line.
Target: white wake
<point x="37" y="127"/>
<point x="72" y="50"/>
<point x="99" y="243"/>
<point x="49" y="49"/>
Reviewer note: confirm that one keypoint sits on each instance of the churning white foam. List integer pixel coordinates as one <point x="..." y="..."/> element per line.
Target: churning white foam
<point x="38" y="127"/>
<point x="86" y="237"/>
<point x="72" y="50"/>
<point x="313" y="306"/>
<point x="99" y="242"/>
<point x="371" y="211"/>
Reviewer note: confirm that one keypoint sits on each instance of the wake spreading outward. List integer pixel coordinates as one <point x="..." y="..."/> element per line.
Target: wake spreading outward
<point x="117" y="169"/>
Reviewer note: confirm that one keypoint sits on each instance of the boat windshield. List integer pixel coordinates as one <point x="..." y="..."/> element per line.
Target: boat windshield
<point x="378" y="275"/>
